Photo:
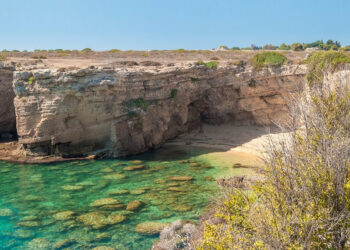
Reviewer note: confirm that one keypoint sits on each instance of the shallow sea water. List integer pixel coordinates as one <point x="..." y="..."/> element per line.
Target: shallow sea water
<point x="31" y="196"/>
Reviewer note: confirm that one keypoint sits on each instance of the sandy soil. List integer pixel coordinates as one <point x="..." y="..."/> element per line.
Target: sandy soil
<point x="228" y="145"/>
<point x="232" y="144"/>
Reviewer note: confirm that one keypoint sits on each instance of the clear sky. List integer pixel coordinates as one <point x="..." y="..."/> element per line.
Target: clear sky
<point x="169" y="24"/>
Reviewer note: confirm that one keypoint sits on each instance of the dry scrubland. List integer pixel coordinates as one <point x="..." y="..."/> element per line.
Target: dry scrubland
<point x="138" y="58"/>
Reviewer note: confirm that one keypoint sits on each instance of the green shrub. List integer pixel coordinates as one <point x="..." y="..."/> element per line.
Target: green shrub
<point x="2" y="57"/>
<point x="114" y="50"/>
<point x="297" y="47"/>
<point x="86" y="50"/>
<point x="345" y="48"/>
<point x="268" y="58"/>
<point x="302" y="201"/>
<point x="132" y="114"/>
<point x="173" y="93"/>
<point x="137" y="103"/>
<point x="31" y="80"/>
<point x="319" y="62"/>
<point x="193" y="79"/>
<point x="284" y="46"/>
<point x="209" y="65"/>
<point x="270" y="47"/>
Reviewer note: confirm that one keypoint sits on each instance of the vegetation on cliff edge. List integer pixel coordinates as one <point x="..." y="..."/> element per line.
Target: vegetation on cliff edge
<point x="303" y="199"/>
<point x="320" y="62"/>
<point x="268" y="58"/>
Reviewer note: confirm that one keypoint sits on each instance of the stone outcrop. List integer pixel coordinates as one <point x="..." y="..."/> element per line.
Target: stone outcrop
<point x="7" y="109"/>
<point x="115" y="112"/>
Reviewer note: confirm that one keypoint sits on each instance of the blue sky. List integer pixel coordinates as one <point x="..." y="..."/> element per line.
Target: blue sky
<point x="169" y="24"/>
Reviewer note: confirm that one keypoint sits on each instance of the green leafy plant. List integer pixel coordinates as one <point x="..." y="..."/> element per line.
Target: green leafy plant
<point x="86" y="50"/>
<point x="297" y="47"/>
<point x="268" y="58"/>
<point x="31" y="80"/>
<point x="137" y="103"/>
<point x="173" y="93"/>
<point x="209" y="65"/>
<point x="302" y="200"/>
<point x="284" y="46"/>
<point x="2" y="57"/>
<point x="319" y="62"/>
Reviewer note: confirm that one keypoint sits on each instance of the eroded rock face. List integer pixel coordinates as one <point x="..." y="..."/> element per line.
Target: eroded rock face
<point x="118" y="112"/>
<point x="7" y="109"/>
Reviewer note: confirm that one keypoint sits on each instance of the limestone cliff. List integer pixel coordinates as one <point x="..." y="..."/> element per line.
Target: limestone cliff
<point x="116" y="112"/>
<point x="7" y="109"/>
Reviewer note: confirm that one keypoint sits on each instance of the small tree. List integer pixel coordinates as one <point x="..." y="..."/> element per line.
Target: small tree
<point x="284" y="46"/>
<point x="297" y="47"/>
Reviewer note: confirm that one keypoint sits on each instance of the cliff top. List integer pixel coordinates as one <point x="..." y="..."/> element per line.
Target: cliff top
<point x="131" y="59"/>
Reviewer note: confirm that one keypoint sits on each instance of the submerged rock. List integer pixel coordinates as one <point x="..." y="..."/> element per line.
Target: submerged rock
<point x="86" y="183"/>
<point x="103" y="248"/>
<point x="39" y="243"/>
<point x="114" y="176"/>
<point x="66" y="215"/>
<point x="107" y="170"/>
<point x="24" y="234"/>
<point x="176" y="189"/>
<point x="5" y="212"/>
<point x="29" y="218"/>
<point x="102" y="237"/>
<point x="96" y="220"/>
<point x="113" y="207"/>
<point x="150" y="227"/>
<point x="159" y="181"/>
<point x="72" y="187"/>
<point x="118" y="192"/>
<point x="181" y="208"/>
<point x="29" y="224"/>
<point x="138" y="191"/>
<point x="134" y="168"/>
<point x="104" y="201"/>
<point x="134" y="205"/>
<point x="115" y="219"/>
<point x="136" y="162"/>
<point x="33" y="198"/>
<point x="63" y="244"/>
<point x="181" y="178"/>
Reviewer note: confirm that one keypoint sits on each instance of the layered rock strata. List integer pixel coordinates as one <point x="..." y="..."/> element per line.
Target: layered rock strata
<point x="116" y="112"/>
<point x="7" y="108"/>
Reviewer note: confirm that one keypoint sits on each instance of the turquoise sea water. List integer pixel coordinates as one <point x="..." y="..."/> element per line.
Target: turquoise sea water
<point x="31" y="196"/>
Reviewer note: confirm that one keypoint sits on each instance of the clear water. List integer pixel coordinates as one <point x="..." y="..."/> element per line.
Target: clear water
<point x="39" y="191"/>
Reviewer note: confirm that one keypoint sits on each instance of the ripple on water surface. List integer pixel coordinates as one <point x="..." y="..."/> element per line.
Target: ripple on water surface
<point x="85" y="204"/>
